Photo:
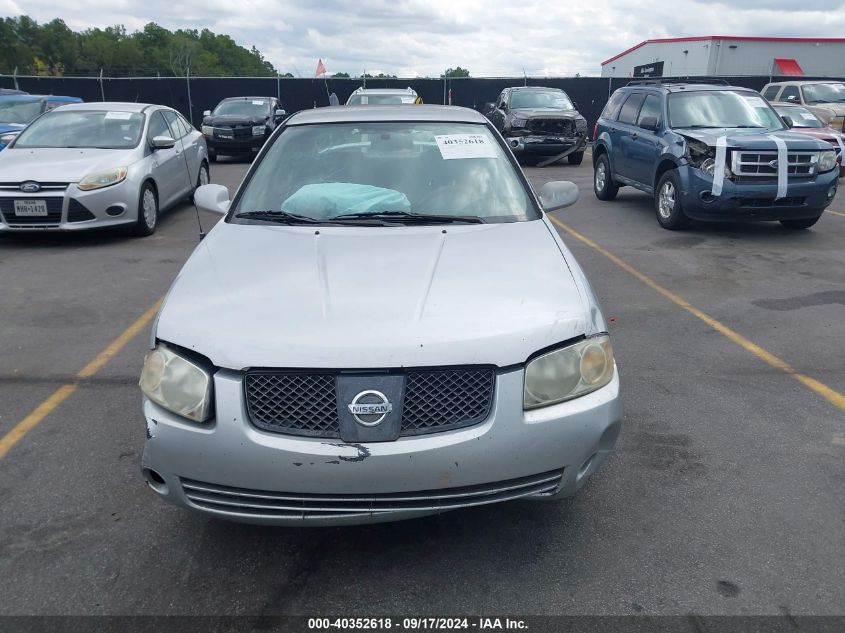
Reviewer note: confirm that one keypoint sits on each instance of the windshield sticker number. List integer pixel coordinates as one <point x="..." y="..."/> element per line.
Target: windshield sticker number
<point x="454" y="146"/>
<point x="756" y="102"/>
<point x="807" y="116"/>
<point x="118" y="116"/>
<point x="258" y="103"/>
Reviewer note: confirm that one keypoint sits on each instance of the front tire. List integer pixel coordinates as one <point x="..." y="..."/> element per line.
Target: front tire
<point x="147" y="211"/>
<point x="203" y="178"/>
<point x="576" y="158"/>
<point x="806" y="223"/>
<point x="667" y="202"/>
<point x="602" y="180"/>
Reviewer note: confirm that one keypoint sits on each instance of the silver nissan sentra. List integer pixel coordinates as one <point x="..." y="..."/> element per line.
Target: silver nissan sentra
<point x="95" y="165"/>
<point x="385" y="325"/>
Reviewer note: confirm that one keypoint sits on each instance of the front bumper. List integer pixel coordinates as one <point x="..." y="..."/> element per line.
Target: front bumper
<point x="72" y="209"/>
<point x="546" y="145"/>
<point x="235" y="145"/>
<point x="229" y="469"/>
<point x="754" y="201"/>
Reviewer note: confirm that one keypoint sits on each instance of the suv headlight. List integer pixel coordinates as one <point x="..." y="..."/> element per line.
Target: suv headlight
<point x="258" y="130"/>
<point x="827" y="160"/>
<point x="178" y="384"/>
<point x="708" y="166"/>
<point x="518" y="123"/>
<point x="103" y="179"/>
<point x="208" y="130"/>
<point x="568" y="372"/>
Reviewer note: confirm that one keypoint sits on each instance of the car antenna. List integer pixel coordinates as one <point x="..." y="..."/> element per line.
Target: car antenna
<point x="190" y="179"/>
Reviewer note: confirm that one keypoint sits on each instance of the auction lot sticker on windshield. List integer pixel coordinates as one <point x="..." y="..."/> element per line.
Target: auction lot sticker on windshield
<point x="119" y="116"/>
<point x="465" y="146"/>
<point x="755" y="102"/>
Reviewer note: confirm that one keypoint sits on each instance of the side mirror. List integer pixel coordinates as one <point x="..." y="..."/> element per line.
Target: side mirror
<point x="212" y="198"/>
<point x="649" y="123"/>
<point x="7" y="138"/>
<point x="788" y="120"/>
<point x="487" y="107"/>
<point x="792" y="99"/>
<point x="280" y="113"/>
<point x="206" y="112"/>
<point x="575" y="105"/>
<point x="558" y="194"/>
<point x="163" y="142"/>
<point x="503" y="106"/>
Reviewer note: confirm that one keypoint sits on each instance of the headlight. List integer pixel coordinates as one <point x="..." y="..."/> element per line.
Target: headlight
<point x="708" y="166"/>
<point x="177" y="384"/>
<point x="258" y="130"/>
<point x="103" y="179"/>
<point x="827" y="160"/>
<point x="7" y="138"/>
<point x="568" y="372"/>
<point x="208" y="130"/>
<point x="518" y="123"/>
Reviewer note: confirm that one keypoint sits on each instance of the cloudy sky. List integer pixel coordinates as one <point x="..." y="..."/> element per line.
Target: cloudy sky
<point x="423" y="37"/>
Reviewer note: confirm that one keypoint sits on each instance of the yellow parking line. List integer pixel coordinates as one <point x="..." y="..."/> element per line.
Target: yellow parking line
<point x="839" y="213"/>
<point x="834" y="397"/>
<point x="61" y="394"/>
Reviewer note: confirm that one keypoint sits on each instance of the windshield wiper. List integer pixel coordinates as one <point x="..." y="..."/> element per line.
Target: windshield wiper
<point x="282" y="217"/>
<point x="408" y="216"/>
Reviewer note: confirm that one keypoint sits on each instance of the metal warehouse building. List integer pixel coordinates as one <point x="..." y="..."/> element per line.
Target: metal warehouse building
<point x="717" y="55"/>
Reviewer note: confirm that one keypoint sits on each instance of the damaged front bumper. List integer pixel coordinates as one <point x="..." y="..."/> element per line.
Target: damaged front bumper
<point x="229" y="469"/>
<point x="805" y="198"/>
<point x="536" y="145"/>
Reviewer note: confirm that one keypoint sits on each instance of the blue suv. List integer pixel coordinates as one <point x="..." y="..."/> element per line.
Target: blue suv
<point x="711" y="152"/>
<point x="19" y="110"/>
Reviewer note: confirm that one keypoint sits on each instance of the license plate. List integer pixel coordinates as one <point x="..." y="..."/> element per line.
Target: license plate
<point x="31" y="208"/>
<point x="226" y="136"/>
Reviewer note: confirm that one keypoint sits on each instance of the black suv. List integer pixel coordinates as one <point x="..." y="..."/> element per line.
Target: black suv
<point x="539" y="123"/>
<point x="239" y="125"/>
<point x="710" y="152"/>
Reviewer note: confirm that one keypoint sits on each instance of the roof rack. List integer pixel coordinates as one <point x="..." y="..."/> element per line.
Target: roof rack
<point x="671" y="82"/>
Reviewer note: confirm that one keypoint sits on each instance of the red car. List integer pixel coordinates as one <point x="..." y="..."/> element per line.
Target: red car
<point x="808" y="123"/>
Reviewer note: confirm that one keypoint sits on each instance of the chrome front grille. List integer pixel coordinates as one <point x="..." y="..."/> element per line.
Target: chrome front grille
<point x="305" y="403"/>
<point x="45" y="186"/>
<point x="764" y="164"/>
<point x="243" y="502"/>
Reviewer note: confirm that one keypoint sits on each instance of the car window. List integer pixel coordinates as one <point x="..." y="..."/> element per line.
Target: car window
<point x="98" y="129"/>
<point x="187" y="128"/>
<point x="721" y="109"/>
<point x="612" y="108"/>
<point x="650" y="109"/>
<point x="550" y="99"/>
<point x="801" y="117"/>
<point x="824" y="93"/>
<point x="790" y="91"/>
<point x="158" y="126"/>
<point x="628" y="113"/>
<point x="20" y="112"/>
<point x="173" y="121"/>
<point x="771" y="92"/>
<point x="380" y="99"/>
<point x="243" y="107"/>
<point x="322" y="171"/>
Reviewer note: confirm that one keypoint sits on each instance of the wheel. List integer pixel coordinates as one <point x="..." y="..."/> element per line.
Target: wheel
<point x="203" y="178"/>
<point x="147" y="211"/>
<point x="800" y="224"/>
<point x="212" y="156"/>
<point x="602" y="181"/>
<point x="576" y="158"/>
<point x="667" y="202"/>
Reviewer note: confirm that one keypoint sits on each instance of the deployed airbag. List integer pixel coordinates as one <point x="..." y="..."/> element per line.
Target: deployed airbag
<point x="329" y="199"/>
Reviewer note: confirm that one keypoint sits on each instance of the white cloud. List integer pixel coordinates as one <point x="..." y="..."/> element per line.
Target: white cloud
<point x="424" y="37"/>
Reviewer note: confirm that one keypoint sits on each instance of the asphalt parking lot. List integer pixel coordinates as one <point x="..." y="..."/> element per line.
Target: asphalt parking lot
<point x="725" y="494"/>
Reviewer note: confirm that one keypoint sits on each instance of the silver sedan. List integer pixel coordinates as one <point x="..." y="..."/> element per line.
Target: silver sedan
<point x="93" y="165"/>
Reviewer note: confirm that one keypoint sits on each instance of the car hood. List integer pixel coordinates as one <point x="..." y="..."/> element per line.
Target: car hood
<point x="744" y="138"/>
<point x="545" y="113"/>
<point x="232" y="121"/>
<point x="59" y="165"/>
<point x="364" y="297"/>
<point x="823" y="133"/>
<point x="837" y="108"/>
<point x="11" y="127"/>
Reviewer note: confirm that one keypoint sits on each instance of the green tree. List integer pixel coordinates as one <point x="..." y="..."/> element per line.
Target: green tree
<point x="341" y="75"/>
<point x="457" y="71"/>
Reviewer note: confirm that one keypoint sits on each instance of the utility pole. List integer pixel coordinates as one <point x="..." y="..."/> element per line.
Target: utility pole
<point x="190" y="105"/>
<point x="15" y="78"/>
<point x="102" y="90"/>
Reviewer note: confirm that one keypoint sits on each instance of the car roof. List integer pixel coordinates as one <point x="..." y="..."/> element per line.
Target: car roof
<point x="807" y="82"/>
<point x="112" y="106"/>
<point x="684" y="87"/>
<point x="28" y="98"/>
<point x="384" y="91"/>
<point x="535" y="88"/>
<point x="243" y="98"/>
<point x="355" y="114"/>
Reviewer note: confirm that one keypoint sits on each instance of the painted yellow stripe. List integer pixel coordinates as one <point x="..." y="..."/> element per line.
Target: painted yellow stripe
<point x="832" y="396"/>
<point x="61" y="394"/>
<point x="839" y="213"/>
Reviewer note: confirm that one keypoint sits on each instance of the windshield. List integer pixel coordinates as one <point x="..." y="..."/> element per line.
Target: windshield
<point x="380" y="99"/>
<point x="20" y="112"/>
<point x="552" y="99"/>
<point x="721" y="109"/>
<point x="243" y="107"/>
<point x="323" y="171"/>
<point x="801" y="117"/>
<point x="824" y="93"/>
<point x="81" y="128"/>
